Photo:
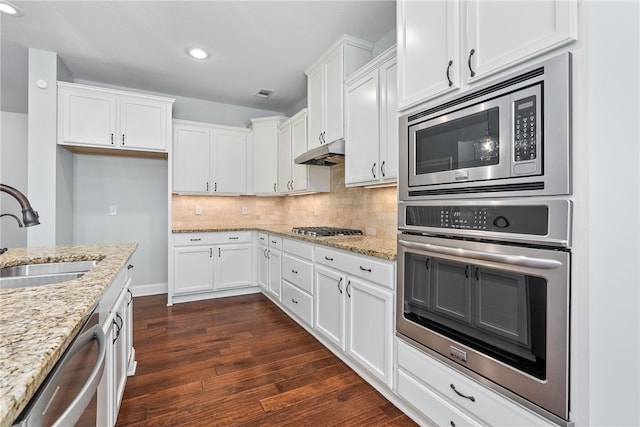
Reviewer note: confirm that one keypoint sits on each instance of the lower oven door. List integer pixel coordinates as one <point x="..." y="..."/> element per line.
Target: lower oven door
<point x="501" y="311"/>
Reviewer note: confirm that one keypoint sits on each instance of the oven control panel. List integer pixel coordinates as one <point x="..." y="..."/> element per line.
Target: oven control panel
<point x="521" y="219"/>
<point x="525" y="129"/>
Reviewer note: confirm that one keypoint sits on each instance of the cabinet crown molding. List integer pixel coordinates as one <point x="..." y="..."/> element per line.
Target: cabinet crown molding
<point x="115" y="91"/>
<point x="345" y="39"/>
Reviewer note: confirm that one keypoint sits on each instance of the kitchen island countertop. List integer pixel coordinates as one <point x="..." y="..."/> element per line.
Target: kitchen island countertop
<point x="38" y="323"/>
<point x="379" y="247"/>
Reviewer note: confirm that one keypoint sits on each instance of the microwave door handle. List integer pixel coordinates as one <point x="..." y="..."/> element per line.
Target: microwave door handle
<point x="523" y="261"/>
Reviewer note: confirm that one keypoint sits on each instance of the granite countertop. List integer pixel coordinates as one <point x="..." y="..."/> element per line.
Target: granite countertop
<point x="38" y="323"/>
<point x="385" y="248"/>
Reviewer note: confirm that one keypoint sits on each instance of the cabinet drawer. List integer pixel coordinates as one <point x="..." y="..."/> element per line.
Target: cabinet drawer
<point x="275" y="242"/>
<point x="434" y="407"/>
<point x="365" y="267"/>
<point x="298" y="272"/>
<point x="298" y="248"/>
<point x="298" y="302"/>
<point x="213" y="238"/>
<point x="263" y="239"/>
<point x="488" y="406"/>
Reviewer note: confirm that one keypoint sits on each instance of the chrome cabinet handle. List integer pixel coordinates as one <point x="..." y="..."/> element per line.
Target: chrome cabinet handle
<point x="339" y="285"/>
<point x="348" y="284"/>
<point x="523" y="261"/>
<point x="471" y="398"/>
<point x="384" y="174"/>
<point x="448" y="69"/>
<point x="365" y="269"/>
<point x="473" y="73"/>
<point x="372" y="169"/>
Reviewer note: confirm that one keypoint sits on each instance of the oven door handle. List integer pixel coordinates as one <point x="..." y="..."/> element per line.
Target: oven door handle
<point x="523" y="261"/>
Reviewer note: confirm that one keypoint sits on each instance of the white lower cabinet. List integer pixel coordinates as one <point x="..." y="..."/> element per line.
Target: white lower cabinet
<point x="297" y="279"/>
<point x="205" y="265"/>
<point x="117" y="323"/>
<point x="356" y="314"/>
<point x="449" y="398"/>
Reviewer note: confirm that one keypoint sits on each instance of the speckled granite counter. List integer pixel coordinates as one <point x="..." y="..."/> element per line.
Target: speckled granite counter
<point x="366" y="245"/>
<point x="38" y="323"/>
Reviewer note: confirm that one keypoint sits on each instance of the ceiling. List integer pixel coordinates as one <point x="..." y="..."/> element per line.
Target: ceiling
<point x="142" y="45"/>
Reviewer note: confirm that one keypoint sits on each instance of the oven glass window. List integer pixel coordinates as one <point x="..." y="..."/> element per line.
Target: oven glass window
<point x="468" y="142"/>
<point x="500" y="313"/>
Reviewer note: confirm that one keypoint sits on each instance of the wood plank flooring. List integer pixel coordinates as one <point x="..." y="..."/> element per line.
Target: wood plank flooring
<point x="240" y="361"/>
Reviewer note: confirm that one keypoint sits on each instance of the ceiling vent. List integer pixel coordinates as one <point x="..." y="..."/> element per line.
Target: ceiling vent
<point x="264" y="93"/>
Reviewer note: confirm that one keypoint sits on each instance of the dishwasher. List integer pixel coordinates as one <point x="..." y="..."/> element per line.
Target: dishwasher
<point x="68" y="396"/>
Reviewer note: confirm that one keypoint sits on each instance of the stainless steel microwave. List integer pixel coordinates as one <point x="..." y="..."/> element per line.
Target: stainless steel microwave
<point x="509" y="137"/>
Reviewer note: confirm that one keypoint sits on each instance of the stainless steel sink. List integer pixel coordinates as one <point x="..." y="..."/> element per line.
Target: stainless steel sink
<point x="21" y="276"/>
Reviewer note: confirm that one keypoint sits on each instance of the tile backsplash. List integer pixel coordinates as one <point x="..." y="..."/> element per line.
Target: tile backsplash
<point x="373" y="210"/>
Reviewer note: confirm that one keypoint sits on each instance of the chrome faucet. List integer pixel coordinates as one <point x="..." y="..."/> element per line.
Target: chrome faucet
<point x="29" y="216"/>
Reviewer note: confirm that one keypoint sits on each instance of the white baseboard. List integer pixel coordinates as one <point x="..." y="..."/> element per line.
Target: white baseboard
<point x="149" y="289"/>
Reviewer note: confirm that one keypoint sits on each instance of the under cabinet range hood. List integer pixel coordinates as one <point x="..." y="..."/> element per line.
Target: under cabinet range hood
<point x="328" y="154"/>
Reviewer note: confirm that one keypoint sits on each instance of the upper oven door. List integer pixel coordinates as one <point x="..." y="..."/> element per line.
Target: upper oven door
<point x="471" y="144"/>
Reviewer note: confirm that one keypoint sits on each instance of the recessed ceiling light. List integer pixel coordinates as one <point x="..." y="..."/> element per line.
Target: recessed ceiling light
<point x="196" y="52"/>
<point x="9" y="9"/>
<point x="264" y="93"/>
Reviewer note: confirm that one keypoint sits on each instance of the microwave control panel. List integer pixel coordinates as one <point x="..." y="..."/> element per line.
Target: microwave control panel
<point x="525" y="125"/>
<point x="529" y="219"/>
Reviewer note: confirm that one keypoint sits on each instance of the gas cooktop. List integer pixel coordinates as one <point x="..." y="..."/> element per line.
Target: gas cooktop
<point x="325" y="231"/>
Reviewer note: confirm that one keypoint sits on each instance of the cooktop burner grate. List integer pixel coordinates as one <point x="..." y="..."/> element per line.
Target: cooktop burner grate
<point x="325" y="231"/>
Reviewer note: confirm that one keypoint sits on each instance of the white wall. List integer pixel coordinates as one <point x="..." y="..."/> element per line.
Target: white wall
<point x="138" y="187"/>
<point x="13" y="172"/>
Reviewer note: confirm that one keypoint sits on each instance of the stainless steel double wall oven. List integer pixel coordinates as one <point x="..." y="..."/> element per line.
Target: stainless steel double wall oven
<point x="484" y="240"/>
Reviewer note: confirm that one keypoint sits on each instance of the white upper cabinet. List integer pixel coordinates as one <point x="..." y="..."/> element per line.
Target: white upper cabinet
<point x="446" y="45"/>
<point x="104" y="118"/>
<point x="325" y="88"/>
<point x="265" y="149"/>
<point x="502" y="34"/>
<point x="428" y="43"/>
<point x="292" y="141"/>
<point x="372" y="123"/>
<point x="209" y="159"/>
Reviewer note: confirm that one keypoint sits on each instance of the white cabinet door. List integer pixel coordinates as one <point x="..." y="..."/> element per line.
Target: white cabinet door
<point x="299" y="173"/>
<point x="265" y="132"/>
<point x="388" y="75"/>
<point x="428" y="43"/>
<point x="229" y="160"/>
<point x="370" y="323"/>
<point x="315" y="106"/>
<point x="503" y="34"/>
<point x="234" y="266"/>
<point x="88" y="117"/>
<point x="143" y="123"/>
<point x="361" y="163"/>
<point x="263" y="267"/>
<point x="275" y="272"/>
<point x="192" y="269"/>
<point x="284" y="160"/>
<point x="334" y="94"/>
<point x="329" y="305"/>
<point x="191" y="154"/>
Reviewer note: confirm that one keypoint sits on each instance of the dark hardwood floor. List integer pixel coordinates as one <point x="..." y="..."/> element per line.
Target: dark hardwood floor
<point x="240" y="361"/>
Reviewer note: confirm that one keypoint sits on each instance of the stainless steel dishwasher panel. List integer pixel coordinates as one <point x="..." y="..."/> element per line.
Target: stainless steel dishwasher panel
<point x="68" y="395"/>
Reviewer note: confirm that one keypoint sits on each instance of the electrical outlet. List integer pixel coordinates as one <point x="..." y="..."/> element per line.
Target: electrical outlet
<point x="113" y="210"/>
<point x="198" y="210"/>
<point x="245" y="211"/>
